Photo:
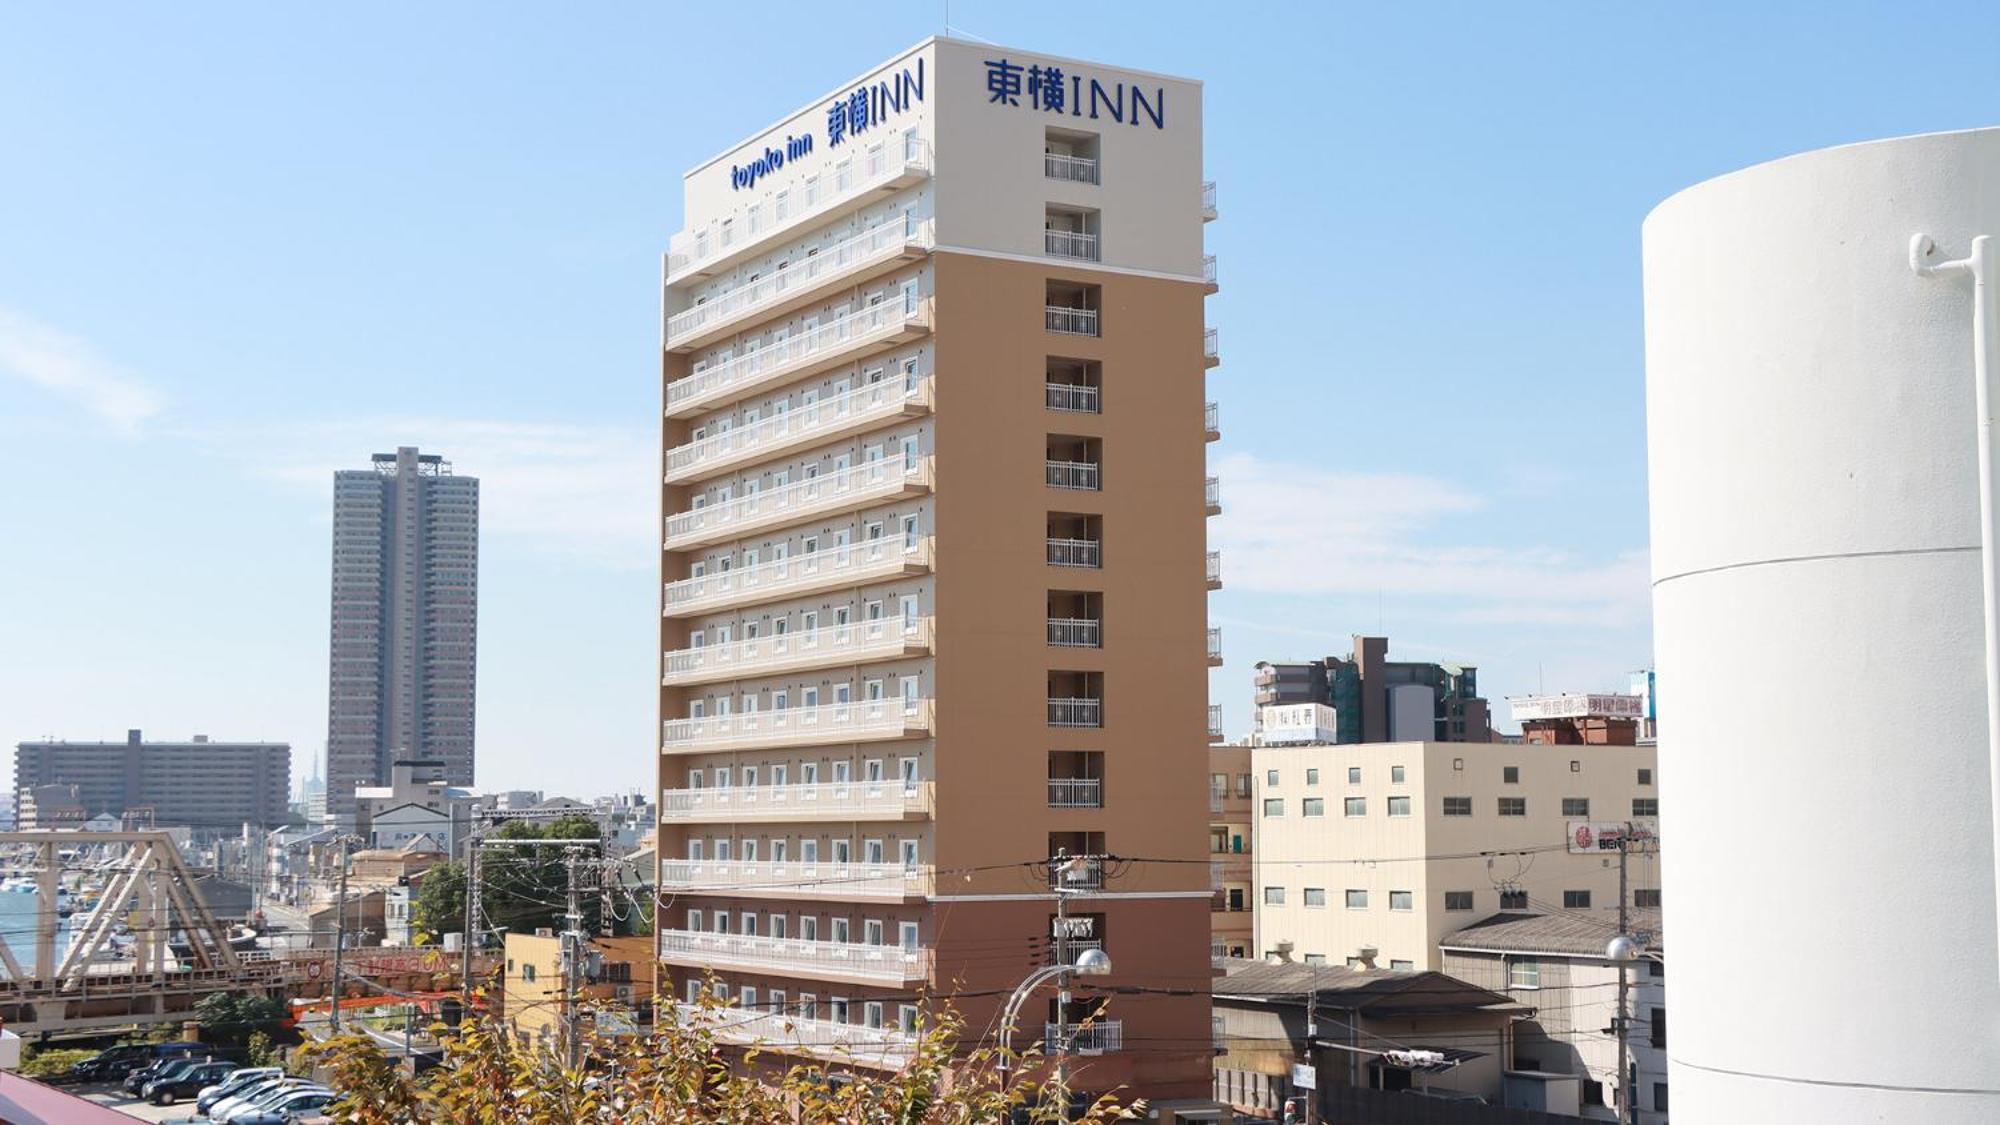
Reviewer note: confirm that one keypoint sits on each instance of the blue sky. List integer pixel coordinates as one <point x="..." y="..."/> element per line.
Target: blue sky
<point x="243" y="245"/>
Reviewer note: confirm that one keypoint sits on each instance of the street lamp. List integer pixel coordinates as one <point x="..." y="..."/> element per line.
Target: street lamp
<point x="1089" y="963"/>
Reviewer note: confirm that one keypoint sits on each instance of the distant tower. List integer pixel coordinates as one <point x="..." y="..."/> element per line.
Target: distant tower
<point x="405" y="621"/>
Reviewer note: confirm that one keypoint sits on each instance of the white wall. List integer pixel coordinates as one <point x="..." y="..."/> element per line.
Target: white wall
<point x="1825" y="825"/>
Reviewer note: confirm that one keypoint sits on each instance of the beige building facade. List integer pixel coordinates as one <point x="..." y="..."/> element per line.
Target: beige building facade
<point x="1373" y="852"/>
<point x="933" y="556"/>
<point x="1231" y="830"/>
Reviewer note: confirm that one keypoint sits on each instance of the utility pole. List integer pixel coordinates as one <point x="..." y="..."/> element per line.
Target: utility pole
<point x="339" y="931"/>
<point x="1628" y="1101"/>
<point x="572" y="959"/>
<point x="1312" y="1060"/>
<point x="471" y="920"/>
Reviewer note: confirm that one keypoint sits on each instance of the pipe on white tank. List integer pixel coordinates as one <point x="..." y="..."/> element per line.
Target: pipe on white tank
<point x="1980" y="263"/>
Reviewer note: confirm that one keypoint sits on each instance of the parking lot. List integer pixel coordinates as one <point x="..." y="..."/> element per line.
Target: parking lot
<point x="110" y="1095"/>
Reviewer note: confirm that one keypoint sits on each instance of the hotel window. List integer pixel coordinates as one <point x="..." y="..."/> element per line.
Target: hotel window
<point x="1274" y="896"/>
<point x="1646" y="899"/>
<point x="1402" y="900"/>
<point x="1524" y="972"/>
<point x="694" y="992"/>
<point x="871" y="1013"/>
<point x="906" y="1018"/>
<point x="1576" y="900"/>
<point x="1402" y="966"/>
<point x="1645" y="806"/>
<point x="779" y="923"/>
<point x="1271" y="778"/>
<point x="1645" y="777"/>
<point x="836" y="1009"/>
<point x="694" y="920"/>
<point x="1576" y="806"/>
<point x="775" y="1000"/>
<point x="1458" y="806"/>
<point x="1274" y="806"/>
<point x="1315" y="896"/>
<point x="1357" y="900"/>
<point x="1313" y="806"/>
<point x="747" y="999"/>
<point x="1458" y="900"/>
<point x="1513" y="806"/>
<point x="808" y="927"/>
<point x="1513" y="900"/>
<point x="1355" y="806"/>
<point x="1312" y="777"/>
<point x="808" y="1006"/>
<point x="843" y="931"/>
<point x="781" y="208"/>
<point x="1354" y="775"/>
<point x="1399" y="806"/>
<point x="1511" y="775"/>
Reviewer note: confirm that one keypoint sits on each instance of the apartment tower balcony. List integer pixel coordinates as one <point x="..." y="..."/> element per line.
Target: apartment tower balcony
<point x="891" y="799"/>
<point x="866" y="485"/>
<point x="823" y="347"/>
<point x="876" y="720"/>
<point x="867" y="407"/>
<point x="818" y="881"/>
<point x="863" y="642"/>
<point x="821" y="960"/>
<point x="879" y="250"/>
<point x="838" y="568"/>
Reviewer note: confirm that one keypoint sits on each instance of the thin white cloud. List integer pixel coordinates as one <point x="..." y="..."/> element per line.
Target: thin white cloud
<point x="68" y="366"/>
<point x="1298" y="529"/>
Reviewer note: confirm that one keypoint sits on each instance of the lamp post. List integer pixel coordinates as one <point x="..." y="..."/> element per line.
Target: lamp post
<point x="1089" y="963"/>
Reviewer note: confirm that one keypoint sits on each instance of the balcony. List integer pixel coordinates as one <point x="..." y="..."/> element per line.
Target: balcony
<point x="1208" y="280"/>
<point x="1073" y="398"/>
<point x="1075" y="476"/>
<point x="1214" y="647"/>
<point x="875" y="720"/>
<point x="1070" y="712"/>
<point x="1075" y="632"/>
<point x="843" y="490"/>
<point x="1077" y="244"/>
<point x="835" y="960"/>
<point x="841" y="800"/>
<point x="1211" y="348"/>
<point x="1208" y="211"/>
<point x="888" y="166"/>
<point x="859" y="882"/>
<point x="1215" y="722"/>
<point x="1075" y="552"/>
<point x="1213" y="570"/>
<point x="1211" y="422"/>
<point x="813" y="423"/>
<point x="877" y="560"/>
<point x="870" y="254"/>
<point x="828" y="345"/>
<point x="1211" y="494"/>
<point x="880" y="1047"/>
<point x="1075" y="169"/>
<point x="1076" y="793"/>
<point x="860" y="643"/>
<point x="1066" y="321"/>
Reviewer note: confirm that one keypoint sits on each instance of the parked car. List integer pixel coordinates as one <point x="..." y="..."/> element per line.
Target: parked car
<point x="137" y="1077"/>
<point x="279" y="1108"/>
<point x="114" y="1063"/>
<point x="186" y="1081"/>
<point x="235" y="1084"/>
<point x="251" y="1095"/>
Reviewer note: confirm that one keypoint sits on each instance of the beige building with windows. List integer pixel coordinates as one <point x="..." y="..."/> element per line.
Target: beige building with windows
<point x="1231" y="829"/>
<point x="934" y="560"/>
<point x="1373" y="852"/>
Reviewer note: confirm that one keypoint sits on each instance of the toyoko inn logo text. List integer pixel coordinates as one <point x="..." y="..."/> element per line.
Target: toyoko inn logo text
<point x="848" y="116"/>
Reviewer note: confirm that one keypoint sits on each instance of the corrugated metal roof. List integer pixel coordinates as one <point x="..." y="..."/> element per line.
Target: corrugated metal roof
<point x="1379" y="992"/>
<point x="1570" y="934"/>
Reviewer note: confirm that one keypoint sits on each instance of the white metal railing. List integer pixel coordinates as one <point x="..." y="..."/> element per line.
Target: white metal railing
<point x="1076" y="632"/>
<point x="1211" y="344"/>
<point x="1213" y="566"/>
<point x="1208" y="268"/>
<point x="1093" y="1038"/>
<point x="1075" y="552"/>
<point x="1077" y="476"/>
<point x="1215" y="800"/>
<point x="1072" y="322"/>
<point x="885" y="476"/>
<point x="794" y="351"/>
<point x="798" y="424"/>
<point x="886" y="1047"/>
<point x="1074" y="712"/>
<point x="848" y="254"/>
<point x="892" y="964"/>
<point x="851" y="643"/>
<point x="1211" y="491"/>
<point x="1073" y="398"/>
<point x="1215" y="720"/>
<point x="1211" y="417"/>
<point x="891" y="160"/>
<point x="1076" y="793"/>
<point x="1216" y="874"/>
<point x="1079" y="169"/>
<point x="1070" y="244"/>
<point x="833" y="722"/>
<point x="795" y="880"/>
<point x="1208" y="195"/>
<point x="1079" y="872"/>
<point x="848" y="565"/>
<point x="1214" y="643"/>
<point x="857" y="800"/>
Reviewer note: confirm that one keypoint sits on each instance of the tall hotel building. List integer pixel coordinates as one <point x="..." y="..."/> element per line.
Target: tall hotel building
<point x="934" y="564"/>
<point x="405" y="622"/>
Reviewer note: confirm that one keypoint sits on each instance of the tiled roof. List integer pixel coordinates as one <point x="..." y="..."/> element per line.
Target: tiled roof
<point x="1381" y="992"/>
<point x="1572" y="934"/>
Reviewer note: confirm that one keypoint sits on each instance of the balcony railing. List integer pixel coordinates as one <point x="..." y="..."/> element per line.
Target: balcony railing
<point x="1211" y="494"/>
<point x="881" y="1047"/>
<point x="797" y="356"/>
<point x="1072" y="322"/>
<point x="1216" y="797"/>
<point x="1076" y="632"/>
<point x="1081" y="873"/>
<point x="892" y="163"/>
<point x="1208" y="269"/>
<point x="856" y="643"/>
<point x="852" y="565"/>
<point x="865" y="721"/>
<point x="841" y="800"/>
<point x="769" y="879"/>
<point x="1078" y="169"/>
<point x="1211" y="420"/>
<point x="1207" y="200"/>
<point x="888" y="964"/>
<point x="1213" y="570"/>
<point x="1075" y="552"/>
<point x="808" y="423"/>
<point x="1074" y="398"/>
<point x="1094" y="1038"/>
<point x="1211" y="347"/>
<point x="856" y="486"/>
<point x="1065" y="951"/>
<point x="1076" y="793"/>
<point x="1214" y="722"/>
<point x="884" y="242"/>
<point x="1070" y="712"/>
<point x="1070" y="244"/>
<point x="1077" y="476"/>
<point x="1214" y="646"/>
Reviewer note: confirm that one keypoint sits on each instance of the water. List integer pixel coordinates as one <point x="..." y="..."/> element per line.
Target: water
<point x="17" y="926"/>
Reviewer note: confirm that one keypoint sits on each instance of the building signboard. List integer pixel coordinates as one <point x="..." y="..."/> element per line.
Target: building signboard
<point x="1293" y="724"/>
<point x="1576" y="705"/>
<point x="1591" y="837"/>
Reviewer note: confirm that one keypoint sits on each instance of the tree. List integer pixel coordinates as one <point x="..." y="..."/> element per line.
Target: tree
<point x="440" y="905"/>
<point x="231" y="1018"/>
<point x="520" y="888"/>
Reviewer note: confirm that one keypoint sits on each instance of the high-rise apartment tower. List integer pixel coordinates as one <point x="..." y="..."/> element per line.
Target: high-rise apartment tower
<point x="934" y="563"/>
<point x="405" y="622"/>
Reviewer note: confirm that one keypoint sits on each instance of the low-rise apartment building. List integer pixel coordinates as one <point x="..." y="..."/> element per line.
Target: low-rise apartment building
<point x="1371" y="853"/>
<point x="213" y="788"/>
<point x="616" y="992"/>
<point x="1230" y="829"/>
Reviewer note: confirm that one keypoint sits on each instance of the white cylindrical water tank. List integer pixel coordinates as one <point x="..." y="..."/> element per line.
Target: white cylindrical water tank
<point x="1826" y="828"/>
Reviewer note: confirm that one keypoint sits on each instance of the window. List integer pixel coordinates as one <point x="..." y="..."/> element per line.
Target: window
<point x="1274" y="806"/>
<point x="1513" y="900"/>
<point x="871" y="1014"/>
<point x="1312" y="777"/>
<point x="1645" y="806"/>
<point x="906" y="1018"/>
<point x="747" y="999"/>
<point x="1645" y="777"/>
<point x="1313" y="806"/>
<point x="1576" y="900"/>
<point x="1575" y="766"/>
<point x="836" y="1009"/>
<point x="1354" y="775"/>
<point x="1593" y="1092"/>
<point x="1524" y="972"/>
<point x="1271" y="777"/>
<point x="1510" y="774"/>
<point x="1315" y="958"/>
<point x="1646" y="899"/>
<point x="1513" y="806"/>
<point x="775" y="1000"/>
<point x="1660" y="1097"/>
<point x="1658" y="1018"/>
<point x="1458" y="900"/>
<point x="1402" y="966"/>
<point x="1315" y="896"/>
<point x="1396" y="774"/>
<point x="1576" y="806"/>
<point x="1274" y="896"/>
<point x="1355" y="806"/>
<point x="1399" y="806"/>
<point x="1402" y="900"/>
<point x="1357" y="900"/>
